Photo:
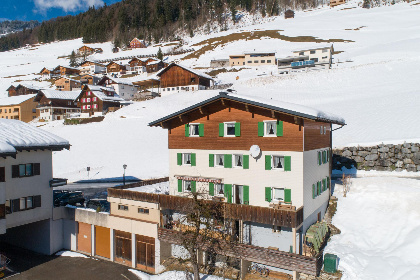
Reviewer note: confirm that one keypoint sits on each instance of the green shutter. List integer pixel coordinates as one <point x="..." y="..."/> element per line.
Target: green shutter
<point x="187" y="130"/>
<point x="287" y="195"/>
<point x="287" y="163"/>
<point x="319" y="158"/>
<point x="179" y="185"/>
<point x="246" y="195"/>
<point x="260" y="129"/>
<point x="325" y="156"/>
<point x="313" y="191"/>
<point x="193" y="186"/>
<point x="221" y="129"/>
<point x="267" y="162"/>
<point x="193" y="163"/>
<point x="328" y="182"/>
<point x="201" y="129"/>
<point x="237" y="129"/>
<point x="279" y="128"/>
<point x="228" y="161"/>
<point x="211" y="189"/>
<point x="228" y="192"/>
<point x="211" y="160"/>
<point x="324" y="185"/>
<point x="319" y="187"/>
<point x="268" y="194"/>
<point x="246" y="161"/>
<point x="179" y="158"/>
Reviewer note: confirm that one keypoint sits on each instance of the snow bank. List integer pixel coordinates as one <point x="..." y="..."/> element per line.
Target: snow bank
<point x="159" y="188"/>
<point x="170" y="275"/>
<point x="379" y="222"/>
<point x="70" y="254"/>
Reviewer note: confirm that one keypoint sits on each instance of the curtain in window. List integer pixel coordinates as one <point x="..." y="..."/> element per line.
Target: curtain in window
<point x="195" y="130"/>
<point x="278" y="162"/>
<point x="279" y="194"/>
<point x="187" y="158"/>
<point x="238" y="160"/>
<point x="270" y="128"/>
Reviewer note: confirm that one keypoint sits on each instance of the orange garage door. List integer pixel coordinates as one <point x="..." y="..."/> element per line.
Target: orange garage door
<point x="102" y="238"/>
<point x="84" y="236"/>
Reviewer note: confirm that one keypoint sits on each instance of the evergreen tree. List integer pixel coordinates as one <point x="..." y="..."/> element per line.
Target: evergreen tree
<point x="73" y="61"/>
<point x="159" y="54"/>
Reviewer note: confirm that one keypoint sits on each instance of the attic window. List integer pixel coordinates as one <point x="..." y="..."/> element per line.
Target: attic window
<point x="193" y="80"/>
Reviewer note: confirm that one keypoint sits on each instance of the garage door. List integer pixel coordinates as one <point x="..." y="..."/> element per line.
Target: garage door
<point x="102" y="238"/>
<point x="84" y="236"/>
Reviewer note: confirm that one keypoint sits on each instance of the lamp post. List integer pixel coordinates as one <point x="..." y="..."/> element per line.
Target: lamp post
<point x="124" y="166"/>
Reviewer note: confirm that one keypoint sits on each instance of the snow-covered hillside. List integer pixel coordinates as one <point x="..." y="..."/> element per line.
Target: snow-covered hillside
<point x="373" y="85"/>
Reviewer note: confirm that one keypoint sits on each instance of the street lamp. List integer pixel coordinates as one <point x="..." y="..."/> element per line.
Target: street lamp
<point x="124" y="166"/>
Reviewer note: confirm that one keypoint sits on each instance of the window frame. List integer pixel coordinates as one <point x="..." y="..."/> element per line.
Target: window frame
<point x="184" y="186"/>
<point x="191" y="125"/>
<point x="222" y="187"/>
<point x="216" y="163"/>
<point x="273" y="198"/>
<point x="142" y="210"/>
<point x="234" y="161"/>
<point x="225" y="128"/>
<point x="123" y="207"/>
<point x="265" y="128"/>
<point x="183" y="159"/>
<point x="272" y="162"/>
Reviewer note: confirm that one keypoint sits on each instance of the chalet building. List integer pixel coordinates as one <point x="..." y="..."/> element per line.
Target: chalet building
<point x="85" y="50"/>
<point x="176" y="78"/>
<point x="88" y="79"/>
<point x="49" y="73"/>
<point x="98" y="100"/>
<point x="289" y="14"/>
<point x="91" y="67"/>
<point x="334" y="3"/>
<point x="267" y="163"/>
<point x="65" y="70"/>
<point x="136" y="43"/>
<point x="320" y="56"/>
<point x="253" y="59"/>
<point x="123" y="87"/>
<point x="22" y="90"/>
<point x="27" y="218"/>
<point x="21" y="107"/>
<point x="116" y="69"/>
<point x="56" y="105"/>
<point x="67" y="84"/>
<point x="137" y="65"/>
<point x="154" y="66"/>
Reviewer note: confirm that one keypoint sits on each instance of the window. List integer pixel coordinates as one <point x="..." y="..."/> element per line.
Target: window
<point x="22" y="203"/>
<point x="324" y="57"/>
<point x="89" y="93"/>
<point x="25" y="170"/>
<point x="83" y="100"/>
<point x="278" y="162"/>
<point x="123" y="207"/>
<point x="219" y="190"/>
<point x="238" y="161"/>
<point x="2" y="174"/>
<point x="29" y="202"/>
<point x="192" y="80"/>
<point x="315" y="59"/>
<point x="88" y="107"/>
<point x="122" y="87"/>
<point x="301" y="53"/>
<point x="230" y="129"/>
<point x="220" y="160"/>
<point x="186" y="159"/>
<point x="321" y="130"/>
<point x="249" y="62"/>
<point x="194" y="130"/>
<point x="88" y="100"/>
<point x="84" y="107"/>
<point x="269" y="61"/>
<point x="325" y="50"/>
<point x="278" y="194"/>
<point x="312" y="52"/>
<point x="95" y="106"/>
<point x="143" y="211"/>
<point x="187" y="186"/>
<point x="262" y="61"/>
<point x="255" y="61"/>
<point x="270" y="128"/>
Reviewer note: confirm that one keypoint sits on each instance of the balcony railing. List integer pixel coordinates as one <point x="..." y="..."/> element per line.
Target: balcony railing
<point x="56" y="182"/>
<point x="265" y="215"/>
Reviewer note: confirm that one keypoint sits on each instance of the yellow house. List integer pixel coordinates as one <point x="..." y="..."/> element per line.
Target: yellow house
<point x="22" y="107"/>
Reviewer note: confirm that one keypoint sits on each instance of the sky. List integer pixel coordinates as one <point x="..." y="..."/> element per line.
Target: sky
<point x="45" y="9"/>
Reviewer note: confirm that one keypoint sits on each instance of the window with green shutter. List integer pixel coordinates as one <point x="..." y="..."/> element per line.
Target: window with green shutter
<point x="179" y="158"/>
<point x="319" y="187"/>
<point x="237" y="129"/>
<point x="211" y="189"/>
<point x="287" y="195"/>
<point x="319" y="158"/>
<point x="201" y="129"/>
<point x="246" y="161"/>
<point x="228" y="192"/>
<point x="211" y="160"/>
<point x="313" y="191"/>
<point x="179" y="185"/>
<point x="228" y="160"/>
<point x="193" y="186"/>
<point x="246" y="195"/>
<point x="268" y="194"/>
<point x="287" y="163"/>
<point x="328" y="182"/>
<point x="279" y="128"/>
<point x="261" y="129"/>
<point x="193" y="159"/>
<point x="267" y="162"/>
<point x="187" y="130"/>
<point x="221" y="129"/>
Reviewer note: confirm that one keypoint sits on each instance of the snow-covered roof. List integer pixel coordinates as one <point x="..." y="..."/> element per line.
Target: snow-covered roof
<point x="98" y="91"/>
<point x="14" y="100"/>
<point x="198" y="73"/>
<point x="153" y="62"/>
<point x="123" y="81"/>
<point x="279" y="106"/>
<point x="56" y="94"/>
<point x="319" y="48"/>
<point x="16" y="135"/>
<point x="262" y="52"/>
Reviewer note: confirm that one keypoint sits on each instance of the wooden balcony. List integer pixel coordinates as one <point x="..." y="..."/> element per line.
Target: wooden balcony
<point x="264" y="215"/>
<point x="265" y="256"/>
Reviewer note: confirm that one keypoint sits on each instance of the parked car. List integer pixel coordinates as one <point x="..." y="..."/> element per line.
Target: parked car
<point x="96" y="204"/>
<point x="71" y="198"/>
<point x="58" y="193"/>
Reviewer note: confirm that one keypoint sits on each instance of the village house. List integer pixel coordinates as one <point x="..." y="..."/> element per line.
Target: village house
<point x="320" y="56"/>
<point x="22" y="90"/>
<point x="21" y="107"/>
<point x="334" y="3"/>
<point x="49" y="73"/>
<point x="56" y="105"/>
<point x="154" y="66"/>
<point x="267" y="163"/>
<point x="137" y="65"/>
<point x="253" y="59"/>
<point x="85" y="50"/>
<point x="27" y="218"/>
<point x="136" y="43"/>
<point x="67" y="84"/>
<point x="66" y="70"/>
<point x="89" y="79"/>
<point x="116" y="69"/>
<point x="289" y="14"/>
<point x="123" y="87"/>
<point x="98" y="100"/>
<point x="148" y="87"/>
<point x="91" y="67"/>
<point x="176" y="78"/>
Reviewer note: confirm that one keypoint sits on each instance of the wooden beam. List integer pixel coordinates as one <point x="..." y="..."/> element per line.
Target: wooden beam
<point x="272" y="114"/>
<point x="246" y="107"/>
<point x="223" y="102"/>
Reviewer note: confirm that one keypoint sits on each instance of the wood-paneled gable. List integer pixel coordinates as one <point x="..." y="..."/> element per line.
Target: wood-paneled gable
<point x="214" y="113"/>
<point x="176" y="76"/>
<point x="313" y="137"/>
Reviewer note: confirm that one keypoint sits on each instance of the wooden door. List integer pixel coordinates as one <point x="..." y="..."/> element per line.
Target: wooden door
<point x="84" y="238"/>
<point x="102" y="242"/>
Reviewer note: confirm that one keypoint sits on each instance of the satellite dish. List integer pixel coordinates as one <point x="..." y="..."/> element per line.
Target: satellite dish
<point x="255" y="151"/>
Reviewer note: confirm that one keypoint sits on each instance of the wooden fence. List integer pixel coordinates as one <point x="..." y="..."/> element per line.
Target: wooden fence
<point x="143" y="183"/>
<point x="265" y="256"/>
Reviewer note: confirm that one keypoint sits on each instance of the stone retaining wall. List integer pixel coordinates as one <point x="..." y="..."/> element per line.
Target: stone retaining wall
<point x="383" y="157"/>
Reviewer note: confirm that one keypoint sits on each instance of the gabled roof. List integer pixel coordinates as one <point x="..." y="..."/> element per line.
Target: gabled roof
<point x="98" y="91"/>
<point x="67" y="78"/>
<point x="122" y="81"/>
<point x="91" y="62"/>
<point x="15" y="100"/>
<point x="278" y="106"/>
<point x="198" y="73"/>
<point x="16" y="135"/>
<point x="56" y="94"/>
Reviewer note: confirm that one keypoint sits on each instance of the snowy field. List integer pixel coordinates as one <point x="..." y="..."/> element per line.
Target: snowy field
<point x="379" y="221"/>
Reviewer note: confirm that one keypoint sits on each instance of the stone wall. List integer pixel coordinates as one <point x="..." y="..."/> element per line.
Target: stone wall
<point x="383" y="157"/>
